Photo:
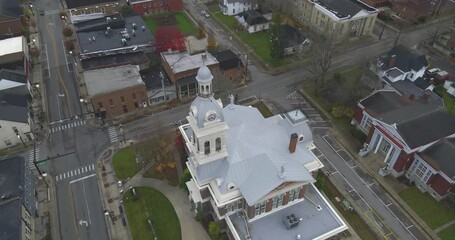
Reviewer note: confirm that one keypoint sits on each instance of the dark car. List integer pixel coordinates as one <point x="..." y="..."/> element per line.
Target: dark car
<point x="41" y="12"/>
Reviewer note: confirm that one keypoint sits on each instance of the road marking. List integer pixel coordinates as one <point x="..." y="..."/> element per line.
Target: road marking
<point x="64" y="175"/>
<point x="86" y="169"/>
<point x="71" y="173"/>
<point x="371" y="184"/>
<point x="412" y="225"/>
<point x="86" y="203"/>
<point x="78" y="171"/>
<point x="82" y="178"/>
<point x="82" y="170"/>
<point x="388" y="204"/>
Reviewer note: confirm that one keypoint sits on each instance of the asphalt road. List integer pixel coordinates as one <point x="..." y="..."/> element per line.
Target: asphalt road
<point x="61" y="89"/>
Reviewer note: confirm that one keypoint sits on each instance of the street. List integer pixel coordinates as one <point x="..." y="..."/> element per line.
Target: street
<point x="73" y="145"/>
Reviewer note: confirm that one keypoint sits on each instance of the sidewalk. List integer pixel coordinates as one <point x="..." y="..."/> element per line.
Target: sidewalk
<point x="111" y="195"/>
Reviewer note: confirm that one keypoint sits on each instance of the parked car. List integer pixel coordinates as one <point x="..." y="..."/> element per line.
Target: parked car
<point x="41" y="12"/>
<point x="205" y="14"/>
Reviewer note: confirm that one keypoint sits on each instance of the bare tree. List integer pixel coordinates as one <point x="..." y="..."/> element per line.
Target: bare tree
<point x="321" y="54"/>
<point x="67" y="32"/>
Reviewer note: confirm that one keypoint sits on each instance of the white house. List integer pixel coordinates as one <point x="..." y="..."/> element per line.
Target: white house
<point x="400" y="64"/>
<point x="234" y="7"/>
<point x="253" y="21"/>
<point x="253" y="174"/>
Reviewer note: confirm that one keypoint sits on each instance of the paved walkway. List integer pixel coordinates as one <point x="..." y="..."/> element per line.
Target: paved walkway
<point x="111" y="195"/>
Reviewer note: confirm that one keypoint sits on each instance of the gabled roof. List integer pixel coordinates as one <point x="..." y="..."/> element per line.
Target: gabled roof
<point x="10" y="8"/>
<point x="227" y="59"/>
<point x="345" y="8"/>
<point x="427" y="128"/>
<point x="432" y="121"/>
<point x="253" y="17"/>
<point x="18" y="78"/>
<point x="292" y="36"/>
<point x="422" y="83"/>
<point x="405" y="59"/>
<point x="441" y="156"/>
<point x="155" y="78"/>
<point x="85" y="3"/>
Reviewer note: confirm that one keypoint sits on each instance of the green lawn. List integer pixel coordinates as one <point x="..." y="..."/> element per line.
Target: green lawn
<point x="164" y="219"/>
<point x="449" y="100"/>
<point x="263" y="109"/>
<point x="259" y="41"/>
<point x="124" y="162"/>
<point x="434" y="213"/>
<point x="448" y="233"/>
<point x="184" y="24"/>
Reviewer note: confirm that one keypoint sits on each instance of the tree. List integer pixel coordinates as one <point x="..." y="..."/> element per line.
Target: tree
<point x="214" y="230"/>
<point x="276" y="37"/>
<point x="34" y="52"/>
<point x="321" y="54"/>
<point x="126" y="10"/>
<point x="184" y="179"/>
<point x="67" y="32"/>
<point x="69" y="45"/>
<point x="169" y="37"/>
<point x="211" y="42"/>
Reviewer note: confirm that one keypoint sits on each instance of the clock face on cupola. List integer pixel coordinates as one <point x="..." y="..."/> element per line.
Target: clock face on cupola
<point x="211" y="117"/>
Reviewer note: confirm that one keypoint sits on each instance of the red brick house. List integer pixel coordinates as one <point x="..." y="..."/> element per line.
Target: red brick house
<point x="231" y="67"/>
<point x="406" y="130"/>
<point x="144" y="7"/>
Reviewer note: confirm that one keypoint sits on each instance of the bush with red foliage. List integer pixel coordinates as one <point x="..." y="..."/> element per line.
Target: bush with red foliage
<point x="169" y="37"/>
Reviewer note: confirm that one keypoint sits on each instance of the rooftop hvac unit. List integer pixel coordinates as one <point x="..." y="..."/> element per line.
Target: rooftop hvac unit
<point x="124" y="41"/>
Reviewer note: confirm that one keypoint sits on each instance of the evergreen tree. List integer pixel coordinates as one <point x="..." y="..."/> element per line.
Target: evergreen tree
<point x="276" y="37"/>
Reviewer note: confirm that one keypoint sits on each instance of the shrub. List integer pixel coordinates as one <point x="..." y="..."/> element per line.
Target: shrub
<point x="340" y="111"/>
<point x="214" y="230"/>
<point x="185" y="178"/>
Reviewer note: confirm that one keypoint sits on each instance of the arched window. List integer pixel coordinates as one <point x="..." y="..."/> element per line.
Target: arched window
<point x="198" y="146"/>
<point x="208" y="88"/>
<point x="202" y="89"/>
<point x="207" y="147"/>
<point x="218" y="144"/>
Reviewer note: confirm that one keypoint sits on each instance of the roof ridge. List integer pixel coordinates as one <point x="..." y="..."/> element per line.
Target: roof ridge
<point x="420" y="115"/>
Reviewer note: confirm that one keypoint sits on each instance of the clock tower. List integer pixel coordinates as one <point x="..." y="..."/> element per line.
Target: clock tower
<point x="206" y="119"/>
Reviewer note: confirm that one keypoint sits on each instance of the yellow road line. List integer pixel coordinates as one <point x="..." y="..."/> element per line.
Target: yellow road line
<point x="54" y="45"/>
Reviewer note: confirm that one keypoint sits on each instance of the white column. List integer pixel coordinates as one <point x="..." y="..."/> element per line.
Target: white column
<point x="388" y="153"/>
<point x="379" y="144"/>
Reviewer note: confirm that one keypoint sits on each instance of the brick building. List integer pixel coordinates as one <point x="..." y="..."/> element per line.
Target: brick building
<point x="408" y="131"/>
<point x="181" y="68"/>
<point x="116" y="90"/>
<point x="254" y="175"/>
<point x="144" y="7"/>
<point x="86" y="9"/>
<point x="231" y="67"/>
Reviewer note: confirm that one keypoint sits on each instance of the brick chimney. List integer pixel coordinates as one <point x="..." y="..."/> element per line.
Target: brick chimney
<point x="391" y="62"/>
<point x="293" y="142"/>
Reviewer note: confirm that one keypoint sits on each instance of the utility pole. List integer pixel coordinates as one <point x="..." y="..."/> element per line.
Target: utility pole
<point x="36" y="165"/>
<point x="397" y="38"/>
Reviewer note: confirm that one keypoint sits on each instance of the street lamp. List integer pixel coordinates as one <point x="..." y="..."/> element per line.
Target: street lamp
<point x="37" y="89"/>
<point x="34" y="42"/>
<point x="31" y="9"/>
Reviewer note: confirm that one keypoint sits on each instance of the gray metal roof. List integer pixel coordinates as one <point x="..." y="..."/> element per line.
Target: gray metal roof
<point x="314" y="223"/>
<point x="110" y="42"/>
<point x="106" y="80"/>
<point x="253" y="17"/>
<point x="394" y="72"/>
<point x="203" y="105"/>
<point x="292" y="36"/>
<point x="442" y="154"/>
<point x="11" y="220"/>
<point x="10" y="8"/>
<point x="136" y="58"/>
<point x="11" y="176"/>
<point x="257" y="152"/>
<point x="13" y="76"/>
<point x="13" y="107"/>
<point x="345" y="8"/>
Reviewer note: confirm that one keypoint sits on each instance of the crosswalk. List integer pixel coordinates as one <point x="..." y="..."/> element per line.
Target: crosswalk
<point x="75" y="172"/>
<point x="294" y="95"/>
<point x="50" y="12"/>
<point x="56" y="127"/>
<point x="113" y="134"/>
<point x="33" y="155"/>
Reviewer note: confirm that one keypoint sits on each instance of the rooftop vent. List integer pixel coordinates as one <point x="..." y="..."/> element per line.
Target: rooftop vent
<point x="93" y="38"/>
<point x="108" y="19"/>
<point x="124" y="41"/>
<point x="230" y="186"/>
<point x="143" y="28"/>
<point x="133" y="32"/>
<point x="134" y="25"/>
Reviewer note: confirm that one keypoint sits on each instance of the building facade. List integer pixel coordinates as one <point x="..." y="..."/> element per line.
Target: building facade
<point x="234" y="7"/>
<point x="94" y="7"/>
<point x="345" y="19"/>
<point x="405" y="131"/>
<point x="116" y="91"/>
<point x="144" y="7"/>
<point x="252" y="174"/>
